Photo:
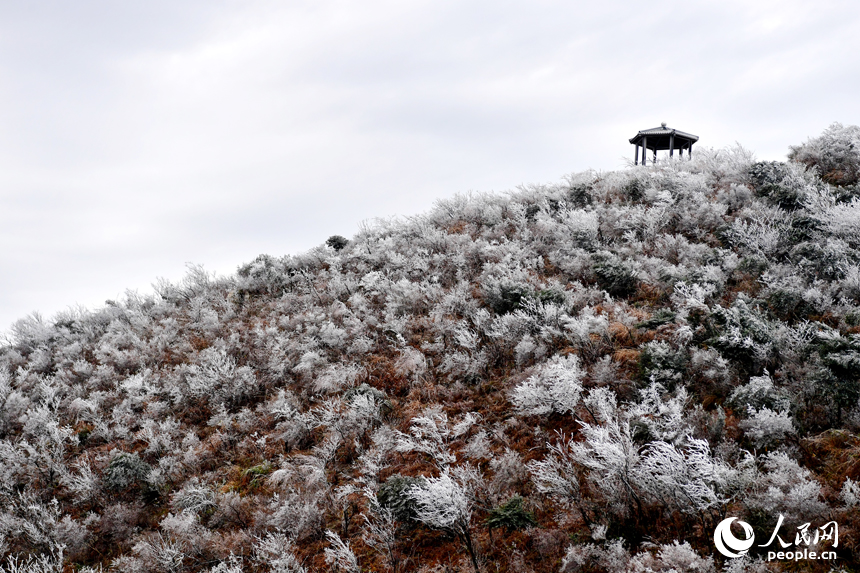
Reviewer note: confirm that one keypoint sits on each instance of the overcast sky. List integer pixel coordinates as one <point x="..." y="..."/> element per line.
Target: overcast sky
<point x="137" y="137"/>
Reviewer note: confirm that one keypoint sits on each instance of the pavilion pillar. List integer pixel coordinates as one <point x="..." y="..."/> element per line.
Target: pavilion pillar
<point x="671" y="144"/>
<point x="636" y="160"/>
<point x="644" y="151"/>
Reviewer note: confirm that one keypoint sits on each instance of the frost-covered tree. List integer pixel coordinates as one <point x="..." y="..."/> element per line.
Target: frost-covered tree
<point x="339" y="555"/>
<point x="686" y="478"/>
<point x="608" y="452"/>
<point x="557" y="475"/>
<point x="277" y="550"/>
<point x="445" y="503"/>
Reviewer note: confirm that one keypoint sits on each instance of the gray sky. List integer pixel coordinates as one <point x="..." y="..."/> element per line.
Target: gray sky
<point x="137" y="137"/>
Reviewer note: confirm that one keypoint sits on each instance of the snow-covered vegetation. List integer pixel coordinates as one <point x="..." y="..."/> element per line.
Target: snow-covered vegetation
<point x="585" y="376"/>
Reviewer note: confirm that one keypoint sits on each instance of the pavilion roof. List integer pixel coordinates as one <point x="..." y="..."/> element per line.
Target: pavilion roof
<point x="656" y="134"/>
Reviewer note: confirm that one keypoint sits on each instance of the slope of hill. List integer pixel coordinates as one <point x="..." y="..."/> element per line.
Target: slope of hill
<point x="586" y="376"/>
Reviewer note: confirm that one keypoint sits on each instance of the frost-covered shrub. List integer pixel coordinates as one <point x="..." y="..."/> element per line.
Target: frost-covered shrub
<point x="610" y="557"/>
<point x="297" y="514"/>
<point x="758" y="232"/>
<point x="340" y="555"/>
<point x="835" y="154"/>
<point x="557" y="474"/>
<point x="264" y="275"/>
<point x="763" y="427"/>
<point x="194" y="498"/>
<point x="691" y="297"/>
<point x="217" y="378"/>
<point x="658" y="415"/>
<point x="758" y="393"/>
<point x="784" y="487"/>
<point x="334" y="377"/>
<point x="840" y="357"/>
<point x="509" y="471"/>
<point x="232" y="565"/>
<point x="431" y="433"/>
<point x="368" y="393"/>
<point x="586" y="330"/>
<point x="790" y="304"/>
<point x="671" y="558"/>
<point x="165" y="553"/>
<point x="608" y="451"/>
<point x="850" y="493"/>
<point x="569" y="227"/>
<point x="27" y="523"/>
<point x="478" y="446"/>
<point x="33" y="564"/>
<point x="830" y="259"/>
<point x="84" y="485"/>
<point x="709" y="366"/>
<point x="554" y="388"/>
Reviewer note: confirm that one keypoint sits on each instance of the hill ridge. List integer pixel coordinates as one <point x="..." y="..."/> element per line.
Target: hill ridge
<point x="583" y="376"/>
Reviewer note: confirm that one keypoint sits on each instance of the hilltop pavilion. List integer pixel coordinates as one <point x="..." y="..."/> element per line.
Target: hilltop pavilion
<point x="661" y="138"/>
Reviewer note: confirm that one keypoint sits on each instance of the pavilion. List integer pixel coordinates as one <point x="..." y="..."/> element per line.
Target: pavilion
<point x="661" y="138"/>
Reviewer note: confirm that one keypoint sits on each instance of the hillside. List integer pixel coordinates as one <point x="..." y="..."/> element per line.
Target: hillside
<point x="585" y="376"/>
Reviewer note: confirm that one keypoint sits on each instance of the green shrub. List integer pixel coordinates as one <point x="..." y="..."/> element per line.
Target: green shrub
<point x="579" y="196"/>
<point x="511" y="516"/>
<point x="634" y="190"/>
<point x="124" y="471"/>
<point x="852" y="317"/>
<point x="337" y="242"/>
<point x="506" y="298"/>
<point x="776" y="182"/>
<point x="754" y="265"/>
<point x="614" y="276"/>
<point x="837" y="380"/>
<point x="744" y="335"/>
<point x="364" y="390"/>
<point x="788" y="304"/>
<point x="392" y="496"/>
<point x="549" y="296"/>
<point x="828" y="260"/>
<point x="662" y="363"/>
<point x="661" y="317"/>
